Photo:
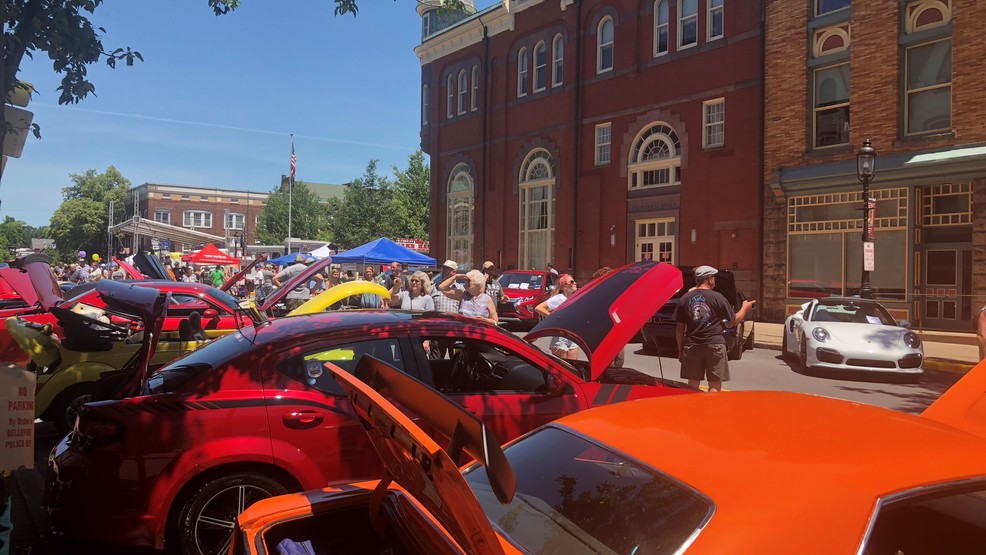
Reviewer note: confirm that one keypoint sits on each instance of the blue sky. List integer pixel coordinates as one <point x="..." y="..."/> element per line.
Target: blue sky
<point x="216" y="99"/>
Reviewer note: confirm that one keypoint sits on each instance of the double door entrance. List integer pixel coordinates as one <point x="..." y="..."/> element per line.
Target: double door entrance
<point x="945" y="294"/>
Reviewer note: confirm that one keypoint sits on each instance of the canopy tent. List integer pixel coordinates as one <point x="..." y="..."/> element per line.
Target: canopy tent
<point x="321" y="252"/>
<point x="288" y="259"/>
<point x="211" y="255"/>
<point x="382" y="251"/>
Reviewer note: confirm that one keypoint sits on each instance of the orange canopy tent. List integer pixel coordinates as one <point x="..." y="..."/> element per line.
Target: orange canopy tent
<point x="211" y="255"/>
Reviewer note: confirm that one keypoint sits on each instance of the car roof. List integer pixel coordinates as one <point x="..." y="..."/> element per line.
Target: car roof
<point x="788" y="459"/>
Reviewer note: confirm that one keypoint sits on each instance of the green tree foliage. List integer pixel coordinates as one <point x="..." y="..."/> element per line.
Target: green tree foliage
<point x="80" y="222"/>
<point x="15" y="234"/>
<point x="308" y="217"/>
<point x="412" y="198"/>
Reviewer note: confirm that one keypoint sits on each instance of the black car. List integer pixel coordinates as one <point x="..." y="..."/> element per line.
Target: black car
<point x="658" y="333"/>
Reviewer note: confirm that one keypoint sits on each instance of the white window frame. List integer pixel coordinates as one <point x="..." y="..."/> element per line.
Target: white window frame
<point x="604" y="144"/>
<point x="662" y="23"/>
<point x="162" y="216"/>
<point x="656" y="239"/>
<point x="425" y="116"/>
<point x="711" y="109"/>
<point x="474" y="100"/>
<point x="463" y="90"/>
<point x="231" y="220"/>
<point x="536" y="173"/>
<point x="816" y="109"/>
<point x="460" y="200"/>
<point x="935" y="86"/>
<point x="557" y="60"/>
<point x="604" y="46"/>
<point x="684" y="20"/>
<point x="715" y="7"/>
<point x="540" y="66"/>
<point x="204" y="220"/>
<point x="637" y="167"/>
<point x="450" y="103"/>
<point x="522" y="72"/>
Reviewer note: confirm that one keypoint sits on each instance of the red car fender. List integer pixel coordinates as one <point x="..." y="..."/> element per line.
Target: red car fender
<point x="192" y="462"/>
<point x="302" y="466"/>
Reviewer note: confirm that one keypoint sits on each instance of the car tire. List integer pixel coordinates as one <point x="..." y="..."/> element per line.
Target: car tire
<point x="65" y="407"/>
<point x="803" y="358"/>
<point x="784" y="353"/>
<point x="206" y="521"/>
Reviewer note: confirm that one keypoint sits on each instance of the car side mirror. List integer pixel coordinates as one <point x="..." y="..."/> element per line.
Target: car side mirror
<point x="211" y="314"/>
<point x="553" y="386"/>
<point x="904" y="324"/>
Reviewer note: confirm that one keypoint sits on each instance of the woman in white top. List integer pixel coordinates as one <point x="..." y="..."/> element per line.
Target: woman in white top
<point x="417" y="297"/>
<point x="473" y="301"/>
<point x="561" y="347"/>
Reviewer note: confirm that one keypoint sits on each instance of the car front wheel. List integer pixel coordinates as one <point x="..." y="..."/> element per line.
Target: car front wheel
<point x="208" y="516"/>
<point x="803" y="358"/>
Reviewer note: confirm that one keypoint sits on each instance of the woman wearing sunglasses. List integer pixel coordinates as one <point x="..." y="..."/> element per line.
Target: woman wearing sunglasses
<point x="417" y="297"/>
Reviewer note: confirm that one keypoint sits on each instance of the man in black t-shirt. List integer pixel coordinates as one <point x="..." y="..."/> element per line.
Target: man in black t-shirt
<point x="701" y="315"/>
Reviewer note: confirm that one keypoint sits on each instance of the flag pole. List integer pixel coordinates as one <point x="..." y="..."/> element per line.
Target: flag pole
<point x="291" y="190"/>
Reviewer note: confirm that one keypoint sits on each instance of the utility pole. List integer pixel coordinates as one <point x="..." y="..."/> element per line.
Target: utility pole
<point x="109" y="235"/>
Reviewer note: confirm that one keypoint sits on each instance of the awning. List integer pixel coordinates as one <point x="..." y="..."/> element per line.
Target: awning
<point x="173" y="233"/>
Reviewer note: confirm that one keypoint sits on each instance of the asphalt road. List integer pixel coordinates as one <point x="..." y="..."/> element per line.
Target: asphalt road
<point x="760" y="369"/>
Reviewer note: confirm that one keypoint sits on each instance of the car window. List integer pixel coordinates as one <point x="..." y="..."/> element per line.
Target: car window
<point x="572" y="497"/>
<point x="952" y="521"/>
<point x="521" y="281"/>
<point x="309" y="368"/>
<point x="212" y="356"/>
<point x="852" y="312"/>
<point x="474" y="366"/>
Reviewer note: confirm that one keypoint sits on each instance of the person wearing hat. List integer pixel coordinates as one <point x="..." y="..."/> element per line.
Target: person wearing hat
<point x="701" y="315"/>
<point x="493" y="288"/>
<point x="444" y="303"/>
<point x="297" y="296"/>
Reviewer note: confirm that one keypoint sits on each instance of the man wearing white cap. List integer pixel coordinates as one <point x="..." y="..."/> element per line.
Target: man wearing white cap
<point x="701" y="315"/>
<point x="442" y="302"/>
<point x="297" y="296"/>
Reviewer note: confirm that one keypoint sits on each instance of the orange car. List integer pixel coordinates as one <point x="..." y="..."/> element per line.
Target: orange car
<point x="734" y="472"/>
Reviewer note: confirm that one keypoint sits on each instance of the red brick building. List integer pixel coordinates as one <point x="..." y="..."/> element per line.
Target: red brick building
<point x="594" y="133"/>
<point x="909" y="75"/>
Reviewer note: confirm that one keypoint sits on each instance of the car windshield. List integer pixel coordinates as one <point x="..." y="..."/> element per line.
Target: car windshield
<point x="574" y="496"/>
<point x="521" y="281"/>
<point x="852" y="312"/>
<point x="223" y="297"/>
<point x="208" y="357"/>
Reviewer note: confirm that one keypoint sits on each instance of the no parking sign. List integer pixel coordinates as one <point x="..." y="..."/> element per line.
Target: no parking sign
<point x="17" y="420"/>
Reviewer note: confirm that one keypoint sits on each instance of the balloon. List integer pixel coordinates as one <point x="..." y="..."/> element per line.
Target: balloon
<point x="82" y="254"/>
<point x="95" y="258"/>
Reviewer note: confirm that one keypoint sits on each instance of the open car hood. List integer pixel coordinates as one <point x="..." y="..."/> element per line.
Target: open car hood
<point x="20" y="283"/>
<point x="415" y="462"/>
<point x="604" y="315"/>
<point x="150" y="266"/>
<point x="303" y="277"/>
<point x="36" y="267"/>
<point x="240" y="275"/>
<point x="330" y="296"/>
<point x="134" y="273"/>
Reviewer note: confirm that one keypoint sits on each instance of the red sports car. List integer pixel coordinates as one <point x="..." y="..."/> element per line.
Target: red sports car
<point x="522" y="291"/>
<point x="254" y="414"/>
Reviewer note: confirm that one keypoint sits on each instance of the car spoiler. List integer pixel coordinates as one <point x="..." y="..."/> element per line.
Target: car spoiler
<point x="963" y="405"/>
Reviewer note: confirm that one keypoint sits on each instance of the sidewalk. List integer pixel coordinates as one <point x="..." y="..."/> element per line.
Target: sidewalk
<point x="943" y="351"/>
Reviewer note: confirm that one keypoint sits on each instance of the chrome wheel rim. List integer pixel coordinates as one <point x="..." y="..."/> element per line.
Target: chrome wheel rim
<point x="213" y="524"/>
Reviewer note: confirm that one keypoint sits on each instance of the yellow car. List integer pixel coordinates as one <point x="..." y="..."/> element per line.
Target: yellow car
<point x="327" y="298"/>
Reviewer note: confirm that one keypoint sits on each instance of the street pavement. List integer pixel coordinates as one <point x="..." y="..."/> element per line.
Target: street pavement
<point x="950" y="352"/>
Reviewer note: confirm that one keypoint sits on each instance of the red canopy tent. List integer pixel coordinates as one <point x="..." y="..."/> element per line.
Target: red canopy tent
<point x="211" y="255"/>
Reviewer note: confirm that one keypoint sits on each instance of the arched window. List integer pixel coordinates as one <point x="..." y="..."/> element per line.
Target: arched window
<point x="425" y="115"/>
<point x="474" y="100"/>
<point x="540" y="66"/>
<point x="463" y="90"/>
<point x="660" y="27"/>
<point x="460" y="213"/>
<point x="522" y="72"/>
<point x="655" y="158"/>
<point x="558" y="61"/>
<point x="537" y="209"/>
<point x="449" y="106"/>
<point x="604" y="45"/>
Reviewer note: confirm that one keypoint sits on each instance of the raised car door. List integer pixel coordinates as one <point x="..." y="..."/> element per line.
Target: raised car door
<point x="513" y="388"/>
<point x="314" y="434"/>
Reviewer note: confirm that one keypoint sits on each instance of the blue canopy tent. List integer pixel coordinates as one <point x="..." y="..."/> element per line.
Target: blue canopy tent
<point x="382" y="251"/>
<point x="288" y="259"/>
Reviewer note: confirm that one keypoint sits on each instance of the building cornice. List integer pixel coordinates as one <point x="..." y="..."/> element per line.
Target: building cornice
<point x="497" y="19"/>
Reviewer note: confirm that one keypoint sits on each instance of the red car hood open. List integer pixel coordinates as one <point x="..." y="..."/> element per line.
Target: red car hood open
<point x="20" y="283"/>
<point x="134" y="273"/>
<point x="285" y="288"/>
<point x="414" y="461"/>
<point x="242" y="273"/>
<point x="33" y="280"/>
<point x="604" y="315"/>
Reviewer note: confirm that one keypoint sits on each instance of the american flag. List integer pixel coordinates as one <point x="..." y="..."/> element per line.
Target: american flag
<point x="294" y="162"/>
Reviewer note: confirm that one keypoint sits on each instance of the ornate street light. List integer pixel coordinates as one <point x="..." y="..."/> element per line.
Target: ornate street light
<point x="865" y="168"/>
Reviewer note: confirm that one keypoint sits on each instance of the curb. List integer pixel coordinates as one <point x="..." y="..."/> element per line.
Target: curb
<point x="933" y="364"/>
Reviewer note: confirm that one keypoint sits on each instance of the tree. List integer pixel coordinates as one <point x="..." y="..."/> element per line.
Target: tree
<point x="80" y="222"/>
<point x="411" y="204"/>
<point x="308" y="216"/>
<point x="360" y="217"/>
<point x="15" y="233"/>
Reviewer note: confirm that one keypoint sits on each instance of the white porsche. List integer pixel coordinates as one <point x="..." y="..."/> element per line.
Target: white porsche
<point x="837" y="333"/>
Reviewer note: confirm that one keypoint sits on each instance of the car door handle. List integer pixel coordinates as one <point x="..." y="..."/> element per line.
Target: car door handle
<point x="303" y="419"/>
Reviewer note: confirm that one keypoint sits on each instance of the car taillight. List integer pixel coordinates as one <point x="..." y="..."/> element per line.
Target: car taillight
<point x="97" y="431"/>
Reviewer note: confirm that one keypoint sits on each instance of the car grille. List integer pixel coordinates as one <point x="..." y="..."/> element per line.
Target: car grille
<point x="870" y="363"/>
<point x="912" y="360"/>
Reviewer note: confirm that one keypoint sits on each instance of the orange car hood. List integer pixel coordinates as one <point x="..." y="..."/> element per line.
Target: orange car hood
<point x="963" y="405"/>
<point x="415" y="462"/>
<point x="604" y="315"/>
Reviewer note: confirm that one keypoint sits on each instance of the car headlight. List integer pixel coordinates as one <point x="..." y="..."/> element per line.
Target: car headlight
<point x="820" y="335"/>
<point x="912" y="340"/>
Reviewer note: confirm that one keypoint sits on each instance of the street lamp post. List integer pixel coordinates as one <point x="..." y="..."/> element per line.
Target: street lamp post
<point x="865" y="168"/>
